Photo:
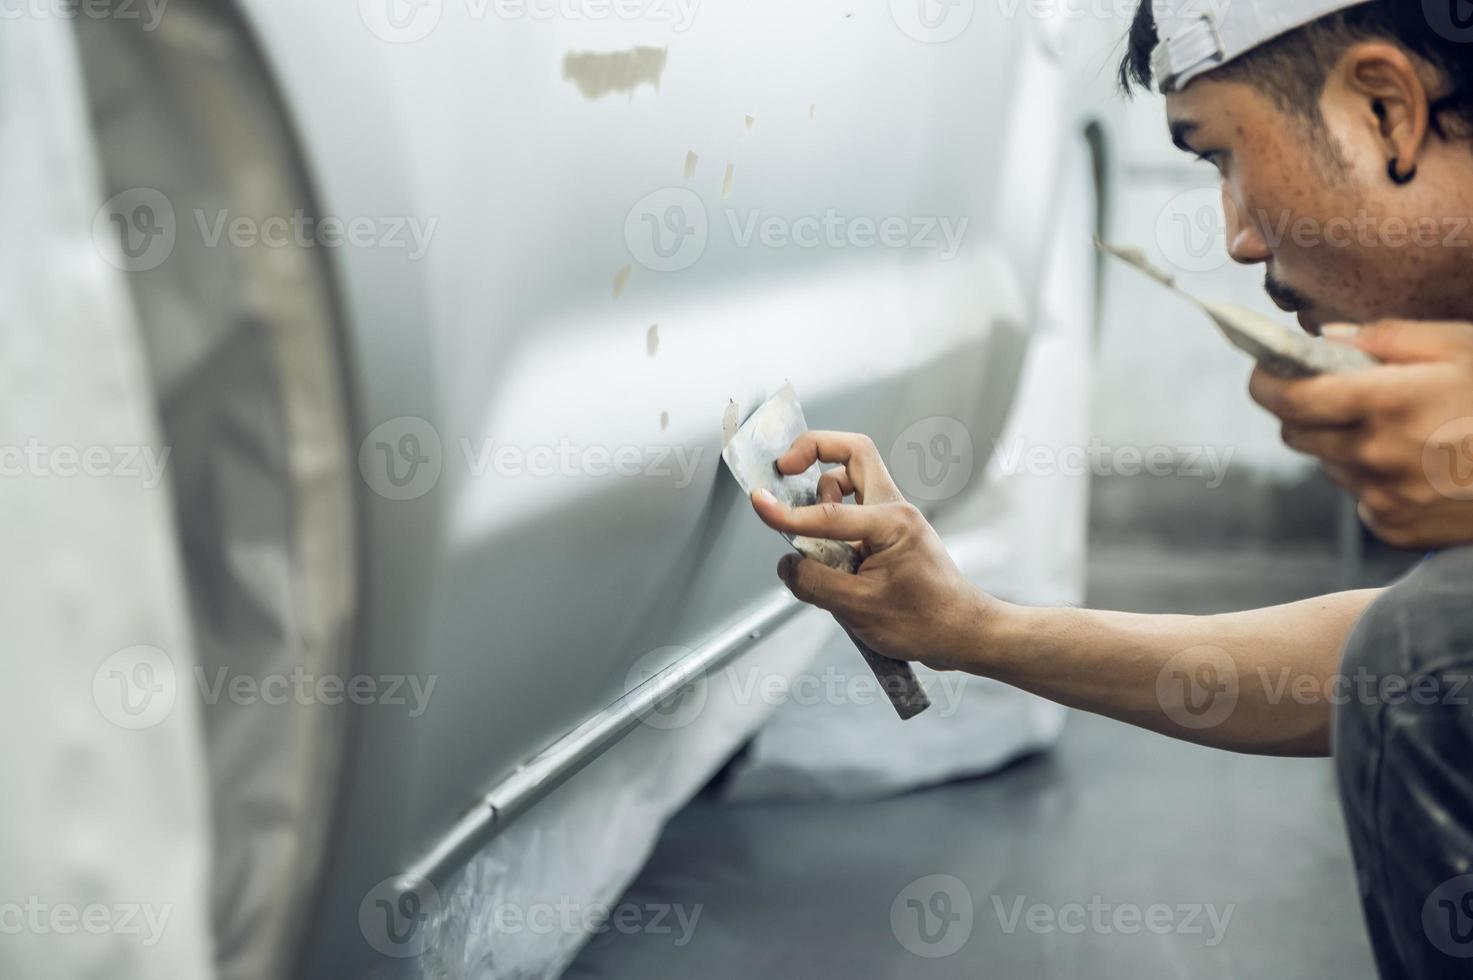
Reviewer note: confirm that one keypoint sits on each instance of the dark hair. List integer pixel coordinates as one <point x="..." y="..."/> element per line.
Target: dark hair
<point x="1292" y="68"/>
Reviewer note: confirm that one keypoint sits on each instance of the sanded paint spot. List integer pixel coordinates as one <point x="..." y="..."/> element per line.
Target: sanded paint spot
<point x="751" y="121"/>
<point x="727" y="180"/>
<point x="652" y="340"/>
<point x="664" y="421"/>
<point x="621" y="279"/>
<point x="600" y="73"/>
<point x="691" y="160"/>
<point x="730" y="422"/>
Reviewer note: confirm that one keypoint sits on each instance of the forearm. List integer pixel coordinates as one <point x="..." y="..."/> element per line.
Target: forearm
<point x="1256" y="681"/>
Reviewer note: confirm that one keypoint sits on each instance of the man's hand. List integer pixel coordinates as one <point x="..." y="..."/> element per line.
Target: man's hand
<point x="1400" y="436"/>
<point x="909" y="600"/>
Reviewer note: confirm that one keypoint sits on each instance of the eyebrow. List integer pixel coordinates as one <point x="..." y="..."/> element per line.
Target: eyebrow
<point x="1180" y="133"/>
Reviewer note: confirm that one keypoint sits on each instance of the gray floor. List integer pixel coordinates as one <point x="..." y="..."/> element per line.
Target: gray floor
<point x="1111" y="823"/>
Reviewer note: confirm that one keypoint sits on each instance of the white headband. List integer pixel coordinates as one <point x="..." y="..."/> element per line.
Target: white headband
<point x="1197" y="36"/>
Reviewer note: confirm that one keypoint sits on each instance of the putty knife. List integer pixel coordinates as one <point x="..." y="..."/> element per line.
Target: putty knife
<point x="1281" y="350"/>
<point x="751" y="454"/>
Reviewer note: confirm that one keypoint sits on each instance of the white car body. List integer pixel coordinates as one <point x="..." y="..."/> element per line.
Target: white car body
<point x="585" y="242"/>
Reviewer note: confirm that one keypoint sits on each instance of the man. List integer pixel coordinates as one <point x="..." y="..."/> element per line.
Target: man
<point x="1340" y="130"/>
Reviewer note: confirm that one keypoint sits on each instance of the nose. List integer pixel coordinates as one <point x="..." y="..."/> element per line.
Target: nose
<point x="1245" y="244"/>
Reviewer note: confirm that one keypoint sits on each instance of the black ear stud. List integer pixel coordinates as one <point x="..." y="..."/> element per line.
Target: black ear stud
<point x="1401" y="180"/>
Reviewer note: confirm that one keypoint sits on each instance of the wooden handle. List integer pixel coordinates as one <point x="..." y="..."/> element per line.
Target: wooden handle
<point x="897" y="678"/>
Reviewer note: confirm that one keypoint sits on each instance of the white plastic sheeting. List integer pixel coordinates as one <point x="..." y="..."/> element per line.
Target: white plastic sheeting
<point x="103" y="832"/>
<point x="525" y="905"/>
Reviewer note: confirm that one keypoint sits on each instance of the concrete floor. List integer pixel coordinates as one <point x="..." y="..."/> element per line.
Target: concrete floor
<point x="1056" y="855"/>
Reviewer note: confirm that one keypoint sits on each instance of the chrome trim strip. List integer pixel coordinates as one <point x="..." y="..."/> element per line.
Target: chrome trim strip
<point x="554" y="765"/>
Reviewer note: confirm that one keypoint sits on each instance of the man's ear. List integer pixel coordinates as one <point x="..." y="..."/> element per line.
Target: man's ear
<point x="1387" y="95"/>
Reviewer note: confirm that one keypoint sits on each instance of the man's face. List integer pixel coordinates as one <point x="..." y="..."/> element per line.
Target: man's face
<point x="1339" y="241"/>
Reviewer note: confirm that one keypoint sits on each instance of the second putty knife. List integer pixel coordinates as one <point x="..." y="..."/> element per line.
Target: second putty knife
<point x="751" y="454"/>
<point x="1280" y="350"/>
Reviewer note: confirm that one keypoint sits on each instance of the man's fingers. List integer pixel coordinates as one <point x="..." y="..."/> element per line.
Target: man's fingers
<point x="1345" y="445"/>
<point x="819" y="585"/>
<point x="855" y="451"/>
<point x="1321" y="400"/>
<point x="1409" y="341"/>
<point x="837" y="522"/>
<point x="835" y="485"/>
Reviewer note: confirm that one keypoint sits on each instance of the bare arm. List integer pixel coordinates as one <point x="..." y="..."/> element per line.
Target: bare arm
<point x="1259" y="681"/>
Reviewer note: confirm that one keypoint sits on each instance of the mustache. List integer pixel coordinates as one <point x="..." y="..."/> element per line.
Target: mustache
<point x="1284" y="295"/>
